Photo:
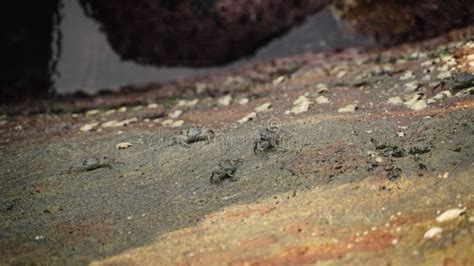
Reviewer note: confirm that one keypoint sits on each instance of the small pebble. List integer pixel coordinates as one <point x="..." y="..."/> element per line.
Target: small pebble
<point x="248" y="117"/>
<point x="176" y="113"/>
<point x="450" y="215"/>
<point x="341" y="74"/>
<point x="263" y="107"/>
<point x="348" y="108"/>
<point x="432" y="232"/>
<point x="244" y="101"/>
<point x="123" y="145"/>
<point x="322" y="100"/>
<point x="407" y="75"/>
<point x="444" y="75"/>
<point x="92" y="112"/>
<point x="88" y="127"/>
<point x="278" y="80"/>
<point x="301" y="105"/>
<point x="226" y="100"/>
<point x="395" y="100"/>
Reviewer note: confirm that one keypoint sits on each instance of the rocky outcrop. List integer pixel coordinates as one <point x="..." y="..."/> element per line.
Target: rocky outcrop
<point x="395" y="21"/>
<point x="195" y="32"/>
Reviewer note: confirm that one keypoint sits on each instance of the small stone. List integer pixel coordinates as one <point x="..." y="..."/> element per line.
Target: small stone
<point x="395" y="241"/>
<point x="426" y="78"/>
<point x="248" y="117"/>
<point x="200" y="87"/>
<point x="412" y="86"/>
<point x="427" y="63"/>
<point x="176" y="114"/>
<point x="445" y="175"/>
<point x="122" y="123"/>
<point x="172" y="123"/>
<point x="244" y="101"/>
<point x="92" y="112"/>
<point x="432" y="232"/>
<point x="419" y="105"/>
<point x="226" y="100"/>
<point x="444" y="75"/>
<point x="407" y="75"/>
<point x="110" y="112"/>
<point x="322" y="100"/>
<point x="122" y="109"/>
<point x="263" y="107"/>
<point x="278" y="80"/>
<point x="88" y="127"/>
<point x="415" y="102"/>
<point x="447" y="57"/>
<point x="178" y="123"/>
<point x="322" y="88"/>
<point x="400" y="61"/>
<point x="348" y="108"/>
<point x="301" y="105"/>
<point x="152" y="106"/>
<point x="341" y="74"/>
<point x="401" y="134"/>
<point x="137" y="108"/>
<point x="186" y="103"/>
<point x="123" y="145"/>
<point x="39" y="237"/>
<point x="470" y="57"/>
<point x="395" y="100"/>
<point x="442" y="95"/>
<point x="450" y="215"/>
<point x="167" y="122"/>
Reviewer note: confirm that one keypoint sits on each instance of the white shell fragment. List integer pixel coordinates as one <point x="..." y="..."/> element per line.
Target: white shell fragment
<point x="432" y="232"/>
<point x="322" y="100"/>
<point x="348" y="108"/>
<point x="263" y="107"/>
<point x="226" y="100"/>
<point x="248" y="117"/>
<point x="88" y="127"/>
<point x="407" y="75"/>
<point x="450" y="215"/>
<point x="301" y="105"/>
<point x="122" y="123"/>
<point x="123" y="145"/>
<point x="395" y="100"/>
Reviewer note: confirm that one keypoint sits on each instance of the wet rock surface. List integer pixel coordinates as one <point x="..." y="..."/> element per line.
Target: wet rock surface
<point x="345" y="188"/>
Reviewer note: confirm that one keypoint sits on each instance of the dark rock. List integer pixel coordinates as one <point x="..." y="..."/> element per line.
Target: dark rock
<point x="393" y="173"/>
<point x="418" y="150"/>
<point x="195" y="32"/>
<point x="396" y="21"/>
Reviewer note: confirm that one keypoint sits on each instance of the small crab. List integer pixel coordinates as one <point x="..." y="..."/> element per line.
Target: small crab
<point x="88" y="164"/>
<point x="194" y="134"/>
<point x="226" y="170"/>
<point x="457" y="82"/>
<point x="269" y="140"/>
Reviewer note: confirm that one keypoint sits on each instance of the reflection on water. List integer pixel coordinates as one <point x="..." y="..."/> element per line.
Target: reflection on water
<point x="87" y="63"/>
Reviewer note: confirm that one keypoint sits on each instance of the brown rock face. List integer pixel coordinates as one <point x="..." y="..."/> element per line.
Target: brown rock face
<point x="195" y="32"/>
<point x="395" y="21"/>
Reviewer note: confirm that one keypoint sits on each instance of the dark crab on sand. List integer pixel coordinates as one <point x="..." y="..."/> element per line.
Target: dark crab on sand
<point x="194" y="134"/>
